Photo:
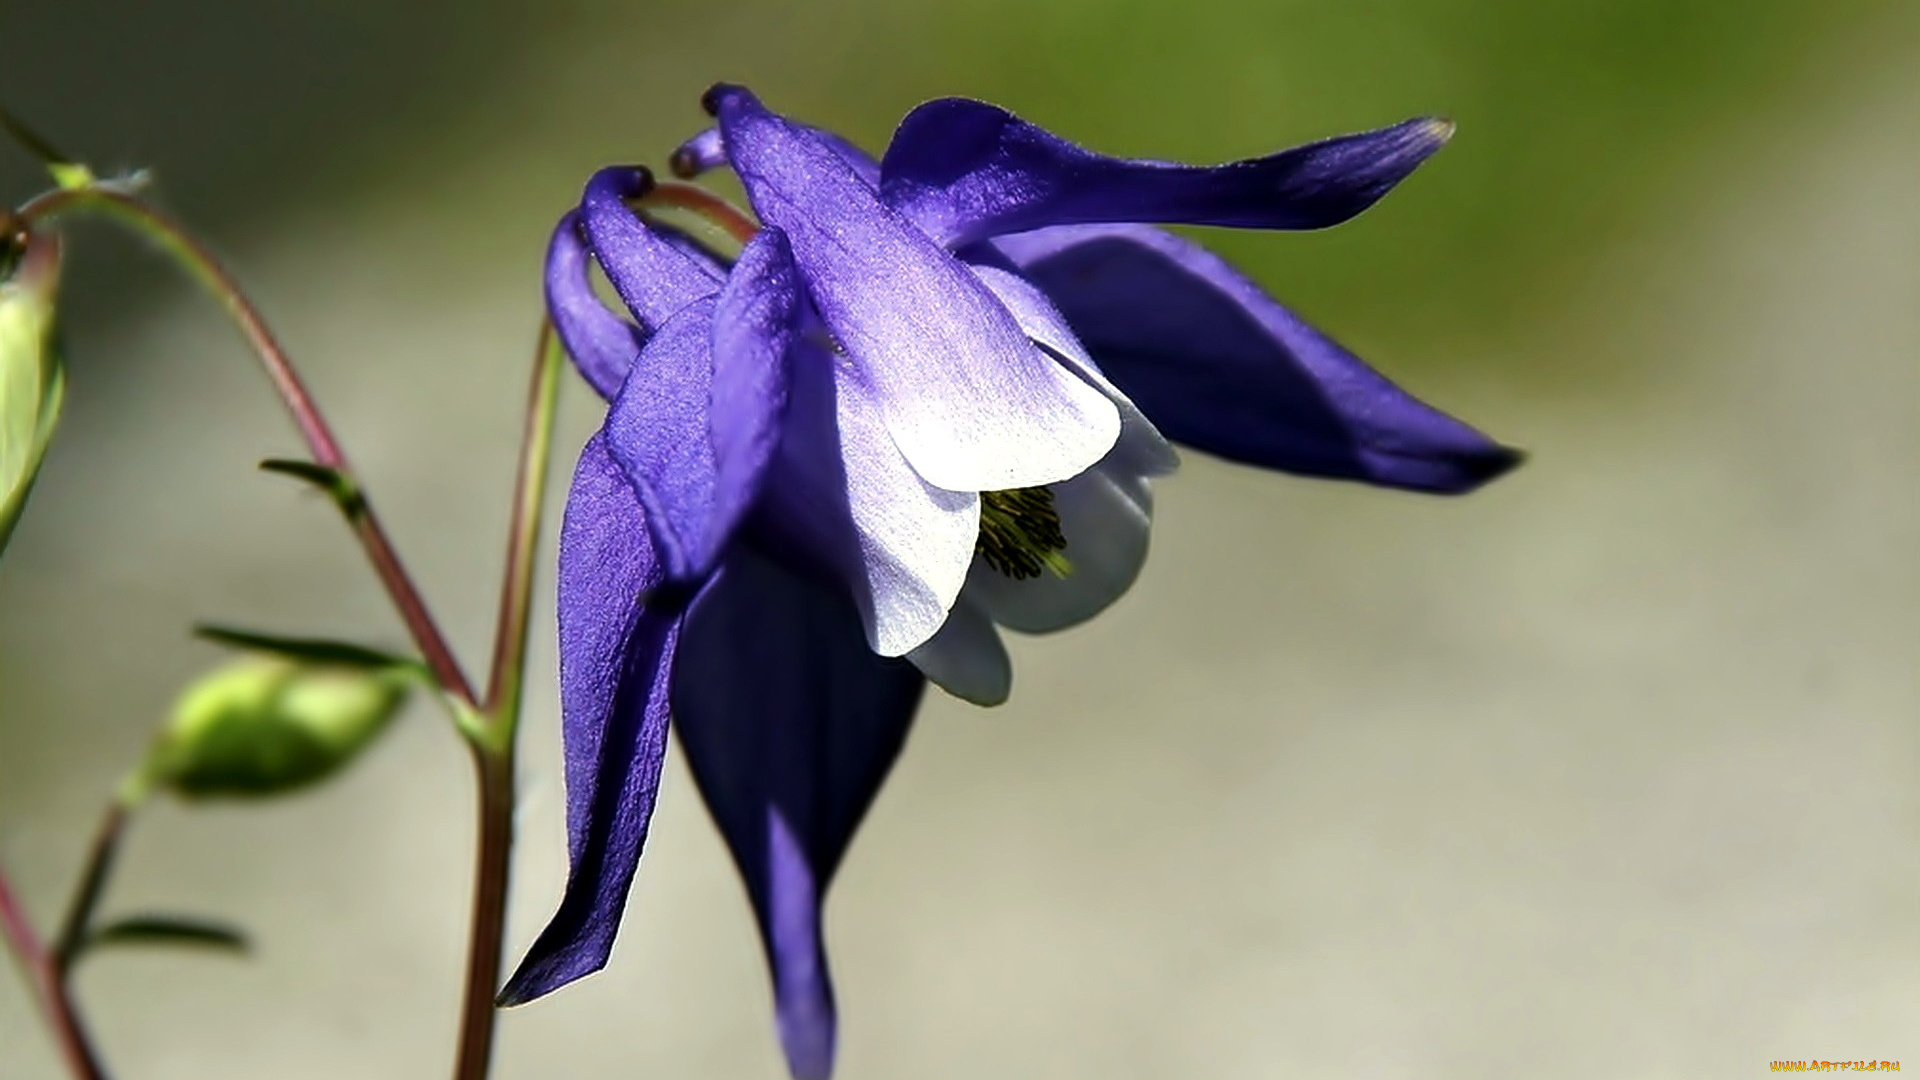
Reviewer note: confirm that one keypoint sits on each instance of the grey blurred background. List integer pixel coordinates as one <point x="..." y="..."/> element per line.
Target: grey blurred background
<point x="1608" y="771"/>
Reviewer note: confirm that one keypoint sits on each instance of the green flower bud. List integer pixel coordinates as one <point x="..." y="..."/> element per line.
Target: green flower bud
<point x="32" y="380"/>
<point x="267" y="725"/>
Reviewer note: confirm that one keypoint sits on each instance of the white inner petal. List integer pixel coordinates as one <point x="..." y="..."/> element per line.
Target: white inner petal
<point x="978" y="431"/>
<point x="842" y="488"/>
<point x="916" y="539"/>
<point x="967" y="658"/>
<point x="1147" y="452"/>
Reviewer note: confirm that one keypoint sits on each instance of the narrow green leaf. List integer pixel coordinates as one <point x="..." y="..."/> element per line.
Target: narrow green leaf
<point x="168" y="930"/>
<point x="306" y="649"/>
<point x="328" y="480"/>
<point x="336" y="484"/>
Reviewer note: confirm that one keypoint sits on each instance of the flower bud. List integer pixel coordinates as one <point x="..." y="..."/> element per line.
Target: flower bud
<point x="267" y="725"/>
<point x="32" y="380"/>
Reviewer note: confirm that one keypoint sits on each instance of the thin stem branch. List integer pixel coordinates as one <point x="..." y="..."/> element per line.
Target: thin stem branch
<point x="507" y="676"/>
<point x="493" y="752"/>
<point x="314" y="430"/>
<point x="93" y="883"/>
<point x="48" y="987"/>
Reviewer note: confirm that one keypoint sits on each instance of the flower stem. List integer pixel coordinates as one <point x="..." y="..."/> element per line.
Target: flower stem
<point x="200" y="263"/>
<point x="494" y="741"/>
<point x="49" y="989"/>
<point x="487" y="933"/>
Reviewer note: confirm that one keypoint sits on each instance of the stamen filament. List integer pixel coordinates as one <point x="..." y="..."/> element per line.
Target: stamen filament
<point x="699" y="201"/>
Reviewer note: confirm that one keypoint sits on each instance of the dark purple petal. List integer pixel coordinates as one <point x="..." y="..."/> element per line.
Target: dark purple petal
<point x="966" y="170"/>
<point x="790" y="724"/>
<point x="601" y="343"/>
<point x="659" y="431"/>
<point x="753" y="327"/>
<point x="971" y="403"/>
<point x="653" y="274"/>
<point x="1218" y="364"/>
<point x="616" y="657"/>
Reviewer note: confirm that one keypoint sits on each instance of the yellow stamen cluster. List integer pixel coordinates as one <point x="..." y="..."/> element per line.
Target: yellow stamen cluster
<point x="1020" y="533"/>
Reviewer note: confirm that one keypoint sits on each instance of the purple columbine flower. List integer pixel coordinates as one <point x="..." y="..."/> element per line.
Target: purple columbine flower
<point x="924" y="402"/>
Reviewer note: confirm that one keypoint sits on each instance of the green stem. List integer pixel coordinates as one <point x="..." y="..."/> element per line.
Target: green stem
<point x="93" y="884"/>
<point x="507" y="678"/>
<point x="492" y="741"/>
<point x="201" y="265"/>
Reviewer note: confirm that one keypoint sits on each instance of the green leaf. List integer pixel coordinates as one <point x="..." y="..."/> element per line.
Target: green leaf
<point x="305" y="649"/>
<point x="168" y="930"/>
<point x="337" y="485"/>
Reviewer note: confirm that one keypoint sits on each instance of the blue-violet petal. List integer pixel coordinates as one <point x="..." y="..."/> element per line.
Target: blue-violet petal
<point x="615" y="659"/>
<point x="659" y="431"/>
<point x="753" y="330"/>
<point x="601" y="343"/>
<point x="971" y="403"/>
<point x="654" y="275"/>
<point x="1219" y="365"/>
<point x="966" y="170"/>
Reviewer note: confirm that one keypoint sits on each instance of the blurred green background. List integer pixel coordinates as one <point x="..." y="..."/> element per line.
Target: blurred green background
<point x="1608" y="771"/>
